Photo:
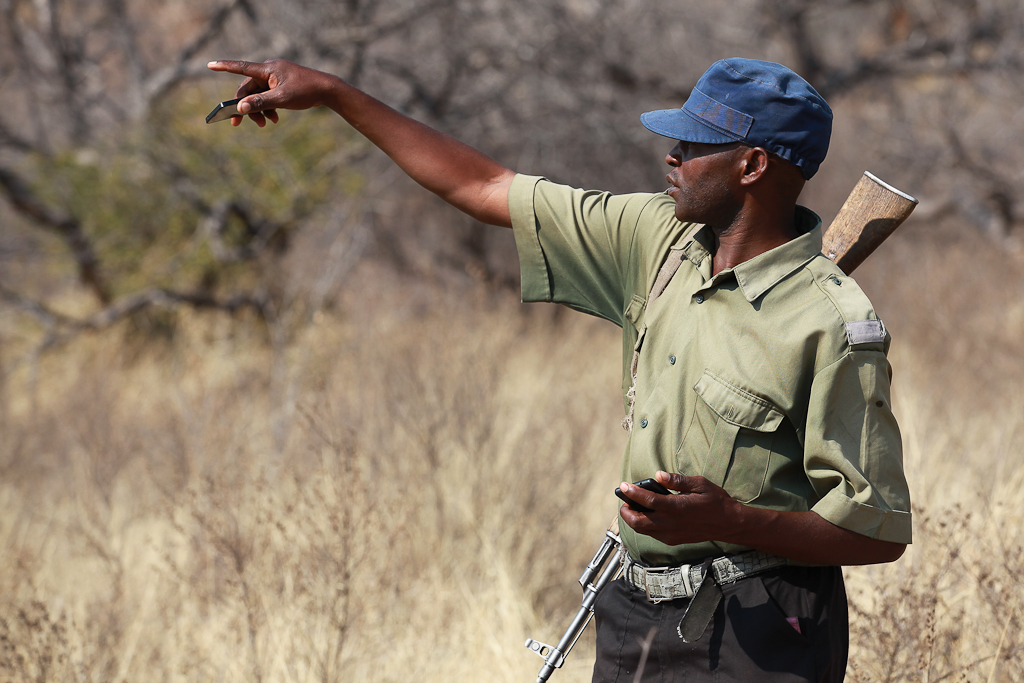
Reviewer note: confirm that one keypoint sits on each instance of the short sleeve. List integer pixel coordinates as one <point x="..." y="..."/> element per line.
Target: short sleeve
<point x="853" y="453"/>
<point x="575" y="245"/>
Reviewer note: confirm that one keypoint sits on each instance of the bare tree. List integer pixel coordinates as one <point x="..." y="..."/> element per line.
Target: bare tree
<point x="946" y="75"/>
<point x="927" y="89"/>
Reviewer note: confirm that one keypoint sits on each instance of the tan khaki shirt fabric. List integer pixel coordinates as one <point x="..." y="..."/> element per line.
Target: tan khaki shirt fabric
<point x="770" y="378"/>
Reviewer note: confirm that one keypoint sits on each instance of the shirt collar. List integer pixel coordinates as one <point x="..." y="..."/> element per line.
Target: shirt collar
<point x="759" y="274"/>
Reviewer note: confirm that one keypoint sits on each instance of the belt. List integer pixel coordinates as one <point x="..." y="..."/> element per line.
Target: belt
<point x="672" y="583"/>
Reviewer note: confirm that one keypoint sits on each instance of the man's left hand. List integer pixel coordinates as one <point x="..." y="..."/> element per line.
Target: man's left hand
<point x="700" y="511"/>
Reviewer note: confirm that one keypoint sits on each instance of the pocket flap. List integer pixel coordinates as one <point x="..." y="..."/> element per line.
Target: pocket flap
<point x="639" y="340"/>
<point x="635" y="310"/>
<point x="736" y="406"/>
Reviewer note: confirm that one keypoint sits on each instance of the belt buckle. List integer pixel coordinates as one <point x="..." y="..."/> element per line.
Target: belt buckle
<point x="647" y="588"/>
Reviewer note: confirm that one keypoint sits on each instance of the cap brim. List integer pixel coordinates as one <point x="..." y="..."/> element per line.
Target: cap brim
<point x="677" y="124"/>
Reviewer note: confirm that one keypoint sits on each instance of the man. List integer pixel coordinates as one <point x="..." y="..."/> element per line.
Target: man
<point x="755" y="379"/>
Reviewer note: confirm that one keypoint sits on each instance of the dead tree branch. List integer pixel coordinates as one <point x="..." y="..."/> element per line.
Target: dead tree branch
<point x="260" y="232"/>
<point x="61" y="328"/>
<point x="184" y="67"/>
<point x="43" y="315"/>
<point x="14" y="141"/>
<point x="999" y="192"/>
<point x="69" y="51"/>
<point x="359" y="32"/>
<point x="926" y="51"/>
<point x="67" y="227"/>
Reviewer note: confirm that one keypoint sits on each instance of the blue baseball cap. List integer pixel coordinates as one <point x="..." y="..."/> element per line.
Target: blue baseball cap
<point x="761" y="104"/>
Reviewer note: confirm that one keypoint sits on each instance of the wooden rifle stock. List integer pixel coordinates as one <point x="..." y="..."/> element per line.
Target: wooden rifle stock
<point x="870" y="214"/>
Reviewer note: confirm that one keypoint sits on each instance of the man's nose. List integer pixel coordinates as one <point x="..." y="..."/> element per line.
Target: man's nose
<point x="675" y="156"/>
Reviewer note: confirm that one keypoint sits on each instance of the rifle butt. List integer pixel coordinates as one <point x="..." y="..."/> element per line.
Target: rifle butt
<point x="870" y="214"/>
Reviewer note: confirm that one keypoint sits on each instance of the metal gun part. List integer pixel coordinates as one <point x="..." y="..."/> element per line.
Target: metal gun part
<point x="554" y="657"/>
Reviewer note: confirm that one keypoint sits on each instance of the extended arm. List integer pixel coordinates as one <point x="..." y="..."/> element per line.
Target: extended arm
<point x="462" y="176"/>
<point x="705" y="512"/>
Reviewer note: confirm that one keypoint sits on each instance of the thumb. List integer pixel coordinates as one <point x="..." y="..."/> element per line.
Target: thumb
<point x="259" y="102"/>
<point x="677" y="482"/>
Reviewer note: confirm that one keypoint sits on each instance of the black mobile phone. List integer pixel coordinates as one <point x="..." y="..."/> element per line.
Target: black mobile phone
<point x="224" y="111"/>
<point x="649" y="484"/>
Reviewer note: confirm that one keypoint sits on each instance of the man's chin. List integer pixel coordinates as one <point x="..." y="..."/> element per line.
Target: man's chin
<point x="683" y="216"/>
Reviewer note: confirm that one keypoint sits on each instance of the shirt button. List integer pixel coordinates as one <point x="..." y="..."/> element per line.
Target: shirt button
<point x="643" y="423"/>
<point x="836" y="281"/>
<point x="671" y="360"/>
<point x="700" y="298"/>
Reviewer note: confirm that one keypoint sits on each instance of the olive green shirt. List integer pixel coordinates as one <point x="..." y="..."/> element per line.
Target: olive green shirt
<point x="770" y="378"/>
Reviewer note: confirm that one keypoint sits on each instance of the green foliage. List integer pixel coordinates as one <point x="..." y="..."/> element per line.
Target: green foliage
<point x="143" y="197"/>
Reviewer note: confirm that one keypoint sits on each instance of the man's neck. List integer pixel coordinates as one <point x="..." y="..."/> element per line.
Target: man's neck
<point x="751" y="235"/>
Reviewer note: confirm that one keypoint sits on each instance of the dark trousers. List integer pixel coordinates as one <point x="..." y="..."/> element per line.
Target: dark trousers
<point x="748" y="639"/>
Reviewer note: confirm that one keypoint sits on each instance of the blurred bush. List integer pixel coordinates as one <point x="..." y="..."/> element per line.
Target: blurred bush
<point x="177" y="203"/>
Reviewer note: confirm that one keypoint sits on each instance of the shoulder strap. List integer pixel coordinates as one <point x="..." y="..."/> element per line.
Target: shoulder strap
<point x="668" y="269"/>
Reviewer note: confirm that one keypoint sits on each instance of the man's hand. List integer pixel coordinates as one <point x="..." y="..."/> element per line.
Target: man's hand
<point x="699" y="512"/>
<point x="702" y="512"/>
<point x="275" y="84"/>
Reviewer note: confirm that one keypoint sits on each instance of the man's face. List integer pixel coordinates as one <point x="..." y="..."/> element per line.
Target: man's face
<point x="701" y="182"/>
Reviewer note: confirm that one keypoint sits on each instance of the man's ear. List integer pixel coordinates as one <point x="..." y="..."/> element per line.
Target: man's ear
<point x="754" y="164"/>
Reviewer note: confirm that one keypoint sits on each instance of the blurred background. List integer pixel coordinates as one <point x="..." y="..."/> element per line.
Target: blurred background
<point x="271" y="412"/>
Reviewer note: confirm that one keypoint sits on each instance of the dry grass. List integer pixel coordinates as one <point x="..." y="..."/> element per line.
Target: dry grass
<point x="408" y="490"/>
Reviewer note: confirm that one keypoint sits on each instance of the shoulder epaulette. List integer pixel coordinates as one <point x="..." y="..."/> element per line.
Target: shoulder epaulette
<point x="865" y="332"/>
<point x="856" y="311"/>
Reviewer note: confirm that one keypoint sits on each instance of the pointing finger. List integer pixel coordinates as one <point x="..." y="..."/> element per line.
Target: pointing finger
<point x="251" y="69"/>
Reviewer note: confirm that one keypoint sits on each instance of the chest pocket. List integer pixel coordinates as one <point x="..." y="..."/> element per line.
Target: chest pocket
<point x="730" y="437"/>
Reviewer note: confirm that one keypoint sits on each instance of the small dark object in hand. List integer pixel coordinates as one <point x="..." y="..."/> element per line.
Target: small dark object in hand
<point x="650" y="485"/>
<point x="223" y="111"/>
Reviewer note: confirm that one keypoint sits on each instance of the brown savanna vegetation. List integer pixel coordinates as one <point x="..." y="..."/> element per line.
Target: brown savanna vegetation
<point x="272" y="413"/>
